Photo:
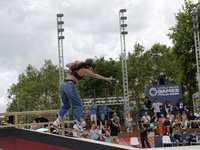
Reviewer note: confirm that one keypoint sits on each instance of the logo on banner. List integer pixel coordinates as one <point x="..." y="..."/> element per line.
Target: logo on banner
<point x="164" y="91"/>
<point x="153" y="91"/>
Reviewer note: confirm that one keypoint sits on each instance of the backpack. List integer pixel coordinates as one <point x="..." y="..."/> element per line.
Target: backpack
<point x="192" y="138"/>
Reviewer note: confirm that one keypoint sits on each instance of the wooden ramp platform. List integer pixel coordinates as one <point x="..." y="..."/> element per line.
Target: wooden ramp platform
<point x="23" y="139"/>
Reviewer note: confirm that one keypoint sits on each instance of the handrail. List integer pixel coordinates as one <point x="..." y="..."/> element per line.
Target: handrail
<point x="30" y="112"/>
<point x="16" y="114"/>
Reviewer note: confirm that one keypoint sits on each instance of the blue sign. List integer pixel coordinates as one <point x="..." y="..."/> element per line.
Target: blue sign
<point x="171" y="92"/>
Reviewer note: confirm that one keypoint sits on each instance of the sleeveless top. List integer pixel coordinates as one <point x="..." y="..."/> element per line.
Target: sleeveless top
<point x="75" y="74"/>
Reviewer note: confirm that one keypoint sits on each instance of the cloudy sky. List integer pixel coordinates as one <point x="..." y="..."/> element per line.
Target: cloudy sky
<point x="28" y="31"/>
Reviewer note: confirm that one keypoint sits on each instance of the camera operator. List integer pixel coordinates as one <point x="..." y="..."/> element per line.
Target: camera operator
<point x="113" y="128"/>
<point x="177" y="125"/>
<point x="177" y="137"/>
<point x="142" y="127"/>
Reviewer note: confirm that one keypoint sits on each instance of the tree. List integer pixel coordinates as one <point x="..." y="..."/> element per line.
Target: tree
<point x="184" y="51"/>
<point x="36" y="90"/>
<point x="107" y="68"/>
<point x="144" y="68"/>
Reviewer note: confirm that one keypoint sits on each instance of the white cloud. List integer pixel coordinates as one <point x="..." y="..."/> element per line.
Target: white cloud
<point x="29" y="35"/>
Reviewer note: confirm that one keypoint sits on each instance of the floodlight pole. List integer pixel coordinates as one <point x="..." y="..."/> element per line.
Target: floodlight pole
<point x="122" y="18"/>
<point x="194" y="14"/>
<point x="60" y="31"/>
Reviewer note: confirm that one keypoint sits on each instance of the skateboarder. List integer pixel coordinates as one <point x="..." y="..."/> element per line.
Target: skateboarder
<point x="69" y="94"/>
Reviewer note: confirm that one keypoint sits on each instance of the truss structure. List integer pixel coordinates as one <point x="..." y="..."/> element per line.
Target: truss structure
<point x="123" y="33"/>
<point x="194" y="14"/>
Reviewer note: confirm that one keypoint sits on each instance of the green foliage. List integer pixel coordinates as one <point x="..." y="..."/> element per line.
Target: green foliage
<point x="107" y="68"/>
<point x="144" y="68"/>
<point x="184" y="51"/>
<point x="36" y="89"/>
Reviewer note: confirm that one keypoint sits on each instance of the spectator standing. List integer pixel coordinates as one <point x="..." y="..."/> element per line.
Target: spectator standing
<point x="142" y="127"/>
<point x="146" y="118"/>
<point x="93" y="133"/>
<point x="113" y="128"/>
<point x="93" y="109"/>
<point x="103" y="121"/>
<point x="177" y="137"/>
<point x="168" y="107"/>
<point x="156" y="106"/>
<point x="129" y="123"/>
<point x="10" y="119"/>
<point x="180" y="106"/>
<point x="147" y="106"/>
<point x="167" y="125"/>
<point x="104" y="110"/>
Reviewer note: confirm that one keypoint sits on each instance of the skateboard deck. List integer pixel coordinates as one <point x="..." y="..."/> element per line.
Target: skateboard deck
<point x="71" y="130"/>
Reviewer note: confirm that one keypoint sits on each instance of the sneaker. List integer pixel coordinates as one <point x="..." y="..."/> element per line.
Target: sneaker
<point x="56" y="123"/>
<point x="77" y="127"/>
<point x="190" y="127"/>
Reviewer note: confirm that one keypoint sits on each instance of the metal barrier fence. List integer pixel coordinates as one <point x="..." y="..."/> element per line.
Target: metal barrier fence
<point x="17" y="114"/>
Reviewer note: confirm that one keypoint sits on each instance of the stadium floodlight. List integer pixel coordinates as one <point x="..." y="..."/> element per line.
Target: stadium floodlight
<point x="61" y="37"/>
<point x="122" y="10"/>
<point x="60" y="22"/>
<point x="124" y="32"/>
<point x="123" y="25"/>
<point x="60" y="15"/>
<point x="61" y="30"/>
<point x="123" y="18"/>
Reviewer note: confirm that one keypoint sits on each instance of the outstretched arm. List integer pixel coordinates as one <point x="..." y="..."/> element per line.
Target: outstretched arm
<point x="88" y="72"/>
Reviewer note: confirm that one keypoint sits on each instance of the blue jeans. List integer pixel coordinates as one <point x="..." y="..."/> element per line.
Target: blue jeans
<point x="70" y="98"/>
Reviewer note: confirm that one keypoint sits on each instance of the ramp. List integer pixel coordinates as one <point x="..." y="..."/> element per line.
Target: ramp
<point x="23" y="139"/>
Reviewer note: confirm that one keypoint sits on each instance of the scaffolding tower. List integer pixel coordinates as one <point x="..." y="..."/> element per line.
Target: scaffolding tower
<point x="194" y="14"/>
<point x="123" y="33"/>
<point x="60" y="31"/>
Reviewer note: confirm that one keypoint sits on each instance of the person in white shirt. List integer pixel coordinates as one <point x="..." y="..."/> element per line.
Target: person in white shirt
<point x="33" y="127"/>
<point x="197" y="115"/>
<point x="146" y="118"/>
<point x="156" y="107"/>
<point x="171" y="117"/>
<point x="94" y="134"/>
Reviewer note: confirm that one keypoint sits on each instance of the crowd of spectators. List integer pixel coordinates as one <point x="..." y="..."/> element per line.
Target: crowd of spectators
<point x="160" y="119"/>
<point x="104" y="129"/>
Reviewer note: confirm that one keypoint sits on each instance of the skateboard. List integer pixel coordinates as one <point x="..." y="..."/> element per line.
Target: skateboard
<point x="78" y="132"/>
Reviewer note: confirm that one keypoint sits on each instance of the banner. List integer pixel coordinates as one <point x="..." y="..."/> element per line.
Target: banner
<point x="171" y="92"/>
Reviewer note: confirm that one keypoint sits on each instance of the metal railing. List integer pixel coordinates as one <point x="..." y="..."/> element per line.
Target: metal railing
<point x="17" y="114"/>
